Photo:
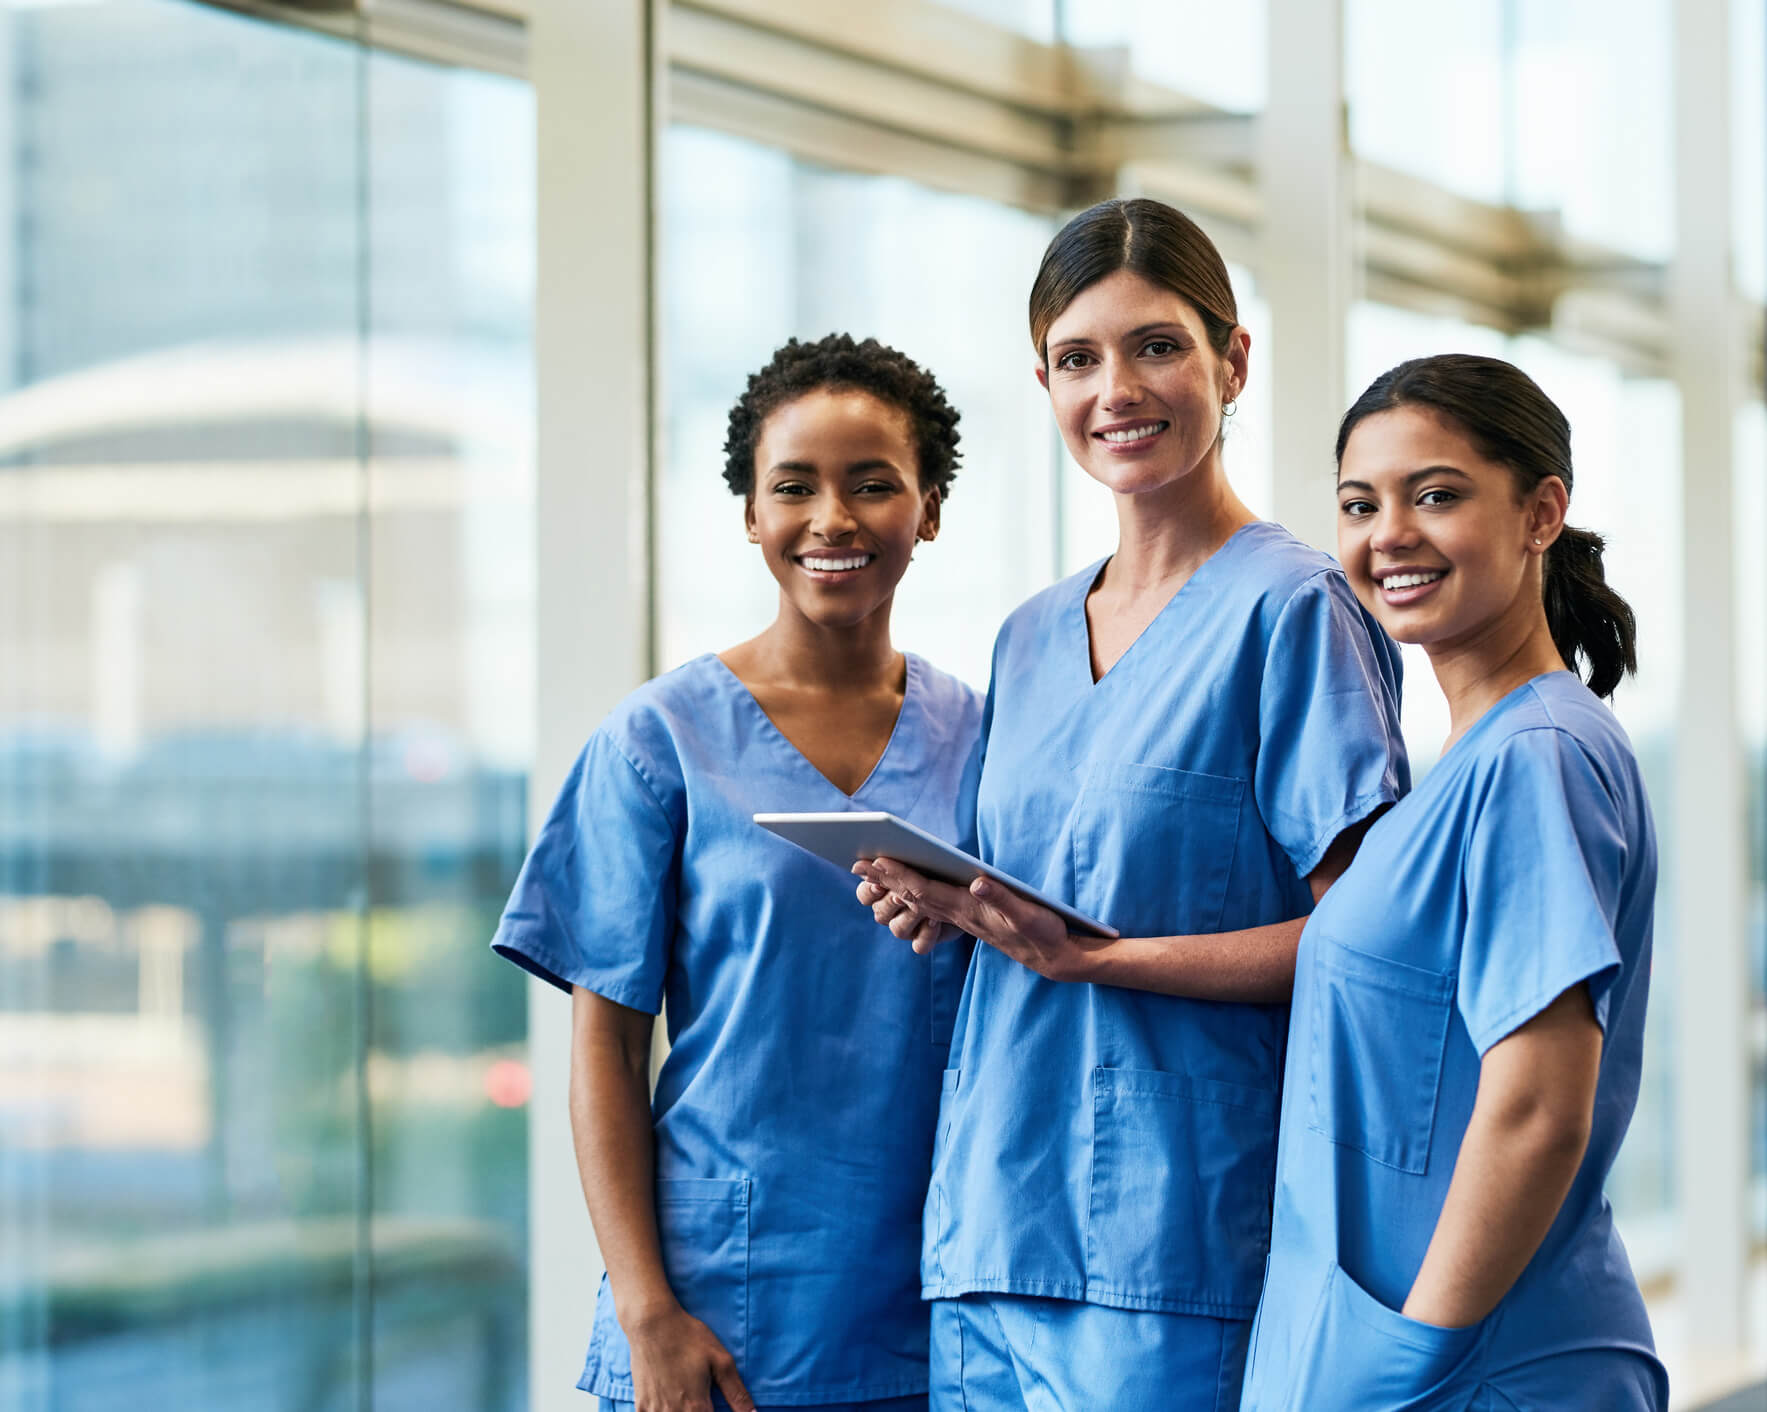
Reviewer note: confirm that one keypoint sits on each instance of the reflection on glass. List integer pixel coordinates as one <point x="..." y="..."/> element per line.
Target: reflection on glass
<point x="760" y="247"/>
<point x="263" y="733"/>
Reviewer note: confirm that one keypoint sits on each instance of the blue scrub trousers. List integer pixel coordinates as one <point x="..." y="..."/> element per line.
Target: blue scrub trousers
<point x="916" y="1403"/>
<point x="1017" y="1353"/>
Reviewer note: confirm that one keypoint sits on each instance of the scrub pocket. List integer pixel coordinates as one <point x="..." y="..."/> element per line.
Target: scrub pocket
<point x="1182" y="1174"/>
<point x="1153" y="847"/>
<point x="1360" y="1356"/>
<point x="938" y="1223"/>
<point x="1380" y="1030"/>
<point x="704" y="1227"/>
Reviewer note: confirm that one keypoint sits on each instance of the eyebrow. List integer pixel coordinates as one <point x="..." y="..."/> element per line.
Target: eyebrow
<point x="1411" y="477"/>
<point x="876" y="463"/>
<point x="1132" y="333"/>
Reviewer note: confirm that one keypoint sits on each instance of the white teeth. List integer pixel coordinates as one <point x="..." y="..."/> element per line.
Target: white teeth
<point x="835" y="566"/>
<point x="1134" y="434"/>
<point x="1411" y="580"/>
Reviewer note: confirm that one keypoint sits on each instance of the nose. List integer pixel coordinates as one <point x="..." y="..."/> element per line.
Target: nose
<point x="833" y="521"/>
<point x="1394" y="531"/>
<point x="1122" y="384"/>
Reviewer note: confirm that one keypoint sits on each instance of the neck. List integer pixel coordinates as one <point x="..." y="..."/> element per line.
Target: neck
<point x="1479" y="670"/>
<point x="796" y="651"/>
<point x="1169" y="532"/>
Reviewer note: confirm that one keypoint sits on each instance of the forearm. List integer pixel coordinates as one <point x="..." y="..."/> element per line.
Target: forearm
<point x="615" y="1146"/>
<point x="1523" y="1145"/>
<point x="1253" y="966"/>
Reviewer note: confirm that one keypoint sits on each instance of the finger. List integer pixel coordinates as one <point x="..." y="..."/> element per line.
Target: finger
<point x="868" y="893"/>
<point x="887" y="910"/>
<point x="906" y="924"/>
<point x="730" y="1384"/>
<point x="928" y="935"/>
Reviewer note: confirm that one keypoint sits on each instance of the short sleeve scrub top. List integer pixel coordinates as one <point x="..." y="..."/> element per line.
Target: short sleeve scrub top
<point x="1523" y="865"/>
<point x="795" y="1111"/>
<point x="1117" y="1147"/>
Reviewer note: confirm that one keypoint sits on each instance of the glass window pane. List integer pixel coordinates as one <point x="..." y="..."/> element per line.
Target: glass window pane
<point x="1207" y="51"/>
<point x="759" y="247"/>
<point x="450" y="569"/>
<point x="1592" y="126"/>
<point x="260" y="1093"/>
<point x="1748" y="136"/>
<point x="1034" y="18"/>
<point x="1425" y="85"/>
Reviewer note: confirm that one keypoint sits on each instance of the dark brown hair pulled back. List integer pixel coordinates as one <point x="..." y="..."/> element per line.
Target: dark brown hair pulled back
<point x="1162" y="245"/>
<point x="1511" y="421"/>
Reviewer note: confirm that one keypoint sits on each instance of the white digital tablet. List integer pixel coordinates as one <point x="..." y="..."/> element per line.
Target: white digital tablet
<point x="843" y="839"/>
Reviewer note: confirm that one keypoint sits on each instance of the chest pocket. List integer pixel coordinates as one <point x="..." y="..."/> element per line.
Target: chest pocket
<point x="1153" y="847"/>
<point x="1380" y="1031"/>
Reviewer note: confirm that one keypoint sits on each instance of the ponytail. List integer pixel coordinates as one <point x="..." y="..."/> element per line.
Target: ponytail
<point x="1511" y="421"/>
<point x="1593" y="628"/>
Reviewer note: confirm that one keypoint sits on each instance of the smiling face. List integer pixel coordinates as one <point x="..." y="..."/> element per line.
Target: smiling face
<point x="1439" y="543"/>
<point x="1134" y="384"/>
<point x="838" y="506"/>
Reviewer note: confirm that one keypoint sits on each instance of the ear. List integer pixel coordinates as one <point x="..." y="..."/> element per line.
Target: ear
<point x="1042" y="375"/>
<point x="1547" y="508"/>
<point x="748" y="518"/>
<point x="1238" y="360"/>
<point x="929" y="516"/>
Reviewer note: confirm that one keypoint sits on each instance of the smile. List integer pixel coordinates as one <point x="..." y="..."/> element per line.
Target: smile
<point x="834" y="563"/>
<point x="1393" y="582"/>
<point x="1130" y="436"/>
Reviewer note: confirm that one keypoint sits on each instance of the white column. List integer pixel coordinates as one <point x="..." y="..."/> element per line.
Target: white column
<point x="1304" y="258"/>
<point x="592" y="68"/>
<point x="1711" y="977"/>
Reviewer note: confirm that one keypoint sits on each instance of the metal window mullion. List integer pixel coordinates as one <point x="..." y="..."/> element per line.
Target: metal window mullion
<point x="1711" y="975"/>
<point x="593" y="68"/>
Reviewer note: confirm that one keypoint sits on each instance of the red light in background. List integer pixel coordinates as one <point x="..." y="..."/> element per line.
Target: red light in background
<point x="508" y="1083"/>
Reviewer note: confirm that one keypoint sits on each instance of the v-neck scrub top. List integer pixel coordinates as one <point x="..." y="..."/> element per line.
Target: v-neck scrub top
<point x="795" y="1111"/>
<point x="1523" y="865"/>
<point x="1117" y="1146"/>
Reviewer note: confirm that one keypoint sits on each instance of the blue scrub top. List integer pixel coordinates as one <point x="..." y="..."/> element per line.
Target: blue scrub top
<point x="1523" y="865"/>
<point x="1113" y="1145"/>
<point x="795" y="1111"/>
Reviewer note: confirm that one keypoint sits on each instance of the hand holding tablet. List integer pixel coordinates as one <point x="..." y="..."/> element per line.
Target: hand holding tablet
<point x="846" y="838"/>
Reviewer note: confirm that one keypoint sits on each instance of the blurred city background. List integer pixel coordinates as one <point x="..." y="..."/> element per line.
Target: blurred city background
<point x="272" y="711"/>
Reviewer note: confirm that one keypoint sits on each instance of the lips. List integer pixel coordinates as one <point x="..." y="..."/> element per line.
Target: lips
<point x="831" y="566"/>
<point x="1129" y="436"/>
<point x="1407" y="584"/>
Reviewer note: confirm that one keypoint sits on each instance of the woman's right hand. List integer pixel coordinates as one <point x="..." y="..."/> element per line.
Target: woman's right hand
<point x="676" y="1360"/>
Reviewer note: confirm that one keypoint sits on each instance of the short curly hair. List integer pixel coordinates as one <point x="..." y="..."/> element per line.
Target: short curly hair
<point x="839" y="363"/>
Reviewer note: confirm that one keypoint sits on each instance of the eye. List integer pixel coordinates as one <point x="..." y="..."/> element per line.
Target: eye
<point x="877" y="487"/>
<point x="1437" y="497"/>
<point x="1162" y="347"/>
<point x="792" y="488"/>
<point x="1073" y="360"/>
<point x="1356" y="509"/>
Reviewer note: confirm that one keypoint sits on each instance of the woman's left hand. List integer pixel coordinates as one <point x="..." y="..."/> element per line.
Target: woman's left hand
<point x="919" y="910"/>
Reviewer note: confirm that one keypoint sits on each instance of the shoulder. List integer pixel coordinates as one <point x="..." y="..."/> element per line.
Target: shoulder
<point x="1556" y="729"/>
<point x="1291" y="573"/>
<point x="648" y="726"/>
<point x="1038" y="613"/>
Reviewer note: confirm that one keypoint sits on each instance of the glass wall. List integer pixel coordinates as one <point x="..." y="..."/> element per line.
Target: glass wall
<point x="265" y="704"/>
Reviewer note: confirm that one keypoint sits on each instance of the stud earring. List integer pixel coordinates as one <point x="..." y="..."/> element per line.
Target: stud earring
<point x="1536" y="539"/>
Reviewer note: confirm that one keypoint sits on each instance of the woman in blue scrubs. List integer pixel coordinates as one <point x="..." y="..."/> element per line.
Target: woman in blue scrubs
<point x="760" y="1221"/>
<point x="1183" y="741"/>
<point x="1469" y="999"/>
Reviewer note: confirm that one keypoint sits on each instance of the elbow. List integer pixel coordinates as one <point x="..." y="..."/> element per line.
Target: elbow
<point x="1551" y="1130"/>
